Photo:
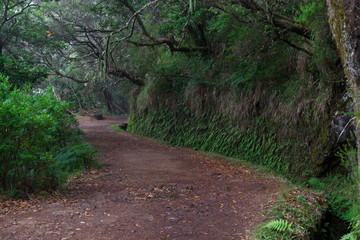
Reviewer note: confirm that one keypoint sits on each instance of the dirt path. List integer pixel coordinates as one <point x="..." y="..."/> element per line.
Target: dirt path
<point x="145" y="191"/>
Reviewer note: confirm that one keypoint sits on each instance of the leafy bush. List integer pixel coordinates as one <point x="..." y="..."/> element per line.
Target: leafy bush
<point x="296" y="216"/>
<point x="21" y="73"/>
<point x="74" y="159"/>
<point x="34" y="129"/>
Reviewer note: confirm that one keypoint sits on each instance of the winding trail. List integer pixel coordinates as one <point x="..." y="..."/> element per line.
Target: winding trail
<point x="146" y="190"/>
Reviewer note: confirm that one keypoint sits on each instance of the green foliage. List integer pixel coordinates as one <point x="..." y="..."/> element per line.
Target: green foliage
<point x="314" y="15"/>
<point x="181" y="128"/>
<point x="297" y="215"/>
<point x="116" y="128"/>
<point x="349" y="236"/>
<point x="279" y="225"/>
<point x="74" y="159"/>
<point x="317" y="183"/>
<point x="250" y="55"/>
<point x="173" y="21"/>
<point x="343" y="192"/>
<point x="342" y="201"/>
<point x="21" y="73"/>
<point x="34" y="128"/>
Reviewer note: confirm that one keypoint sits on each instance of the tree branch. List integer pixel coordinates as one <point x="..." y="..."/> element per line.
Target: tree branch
<point x="170" y="45"/>
<point x="70" y="77"/>
<point x="296" y="47"/>
<point x="138" y="19"/>
<point x="29" y="5"/>
<point x="277" y="20"/>
<point x="123" y="74"/>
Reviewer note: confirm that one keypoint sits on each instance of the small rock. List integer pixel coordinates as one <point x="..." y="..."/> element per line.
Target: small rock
<point x="108" y="220"/>
<point x="97" y="116"/>
<point x="54" y="205"/>
<point x="147" y="216"/>
<point x="237" y="181"/>
<point x="122" y="195"/>
<point x="113" y="198"/>
<point x="123" y="126"/>
<point x="187" y="187"/>
<point x="63" y="212"/>
<point x="173" y="219"/>
<point x="226" y="188"/>
<point x="26" y="222"/>
<point x="221" y="177"/>
<point x="150" y="188"/>
<point x="214" y="174"/>
<point x="259" y="186"/>
<point x="98" y="197"/>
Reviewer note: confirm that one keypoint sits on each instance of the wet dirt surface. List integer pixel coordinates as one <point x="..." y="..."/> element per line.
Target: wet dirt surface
<point x="146" y="190"/>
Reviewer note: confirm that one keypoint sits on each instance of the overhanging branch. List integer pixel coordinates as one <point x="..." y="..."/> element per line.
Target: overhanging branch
<point x="123" y="74"/>
<point x="276" y="19"/>
<point x="70" y="77"/>
<point x="170" y="44"/>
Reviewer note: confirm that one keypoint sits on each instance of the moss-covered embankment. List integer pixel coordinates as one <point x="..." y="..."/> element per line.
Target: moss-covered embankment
<point x="298" y="139"/>
<point x="299" y="146"/>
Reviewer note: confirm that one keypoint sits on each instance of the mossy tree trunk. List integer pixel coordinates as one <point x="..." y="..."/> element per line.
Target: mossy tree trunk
<point x="345" y="26"/>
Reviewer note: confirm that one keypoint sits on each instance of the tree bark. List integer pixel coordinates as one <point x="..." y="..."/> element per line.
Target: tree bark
<point x="108" y="100"/>
<point x="123" y="74"/>
<point x="1" y="48"/>
<point x="345" y="26"/>
<point x="113" y="108"/>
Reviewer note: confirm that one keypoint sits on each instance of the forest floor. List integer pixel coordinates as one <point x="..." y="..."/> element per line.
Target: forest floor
<point x="146" y="190"/>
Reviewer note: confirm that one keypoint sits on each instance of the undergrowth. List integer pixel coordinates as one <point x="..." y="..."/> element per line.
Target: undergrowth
<point x="180" y="128"/>
<point x="343" y="205"/>
<point x="40" y="144"/>
<point x="116" y="128"/>
<point x="296" y="215"/>
<point x="75" y="159"/>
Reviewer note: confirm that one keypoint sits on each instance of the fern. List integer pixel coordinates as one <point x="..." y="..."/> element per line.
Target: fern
<point x="349" y="236"/>
<point x="279" y="225"/>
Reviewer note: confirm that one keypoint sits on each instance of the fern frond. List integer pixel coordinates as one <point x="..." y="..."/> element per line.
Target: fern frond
<point x="349" y="236"/>
<point x="278" y="225"/>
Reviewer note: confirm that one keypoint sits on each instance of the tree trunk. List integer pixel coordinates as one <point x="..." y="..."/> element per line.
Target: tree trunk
<point x="1" y="48"/>
<point x="345" y="26"/>
<point x="113" y="108"/>
<point x="108" y="100"/>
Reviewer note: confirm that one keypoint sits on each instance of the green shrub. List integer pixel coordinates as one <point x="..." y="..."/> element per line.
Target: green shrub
<point x="295" y="216"/>
<point x="74" y="159"/>
<point x="34" y="129"/>
<point x="21" y="73"/>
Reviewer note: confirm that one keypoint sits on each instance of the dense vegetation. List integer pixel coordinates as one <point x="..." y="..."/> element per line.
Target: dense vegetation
<point x="40" y="142"/>
<point x="259" y="81"/>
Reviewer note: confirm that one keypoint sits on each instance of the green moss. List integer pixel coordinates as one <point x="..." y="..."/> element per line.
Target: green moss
<point x="317" y="153"/>
<point x="116" y="128"/>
